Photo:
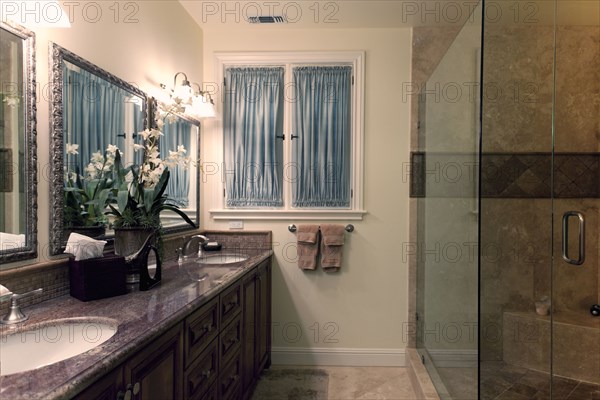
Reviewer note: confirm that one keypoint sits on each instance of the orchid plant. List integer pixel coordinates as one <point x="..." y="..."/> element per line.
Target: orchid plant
<point x="139" y="190"/>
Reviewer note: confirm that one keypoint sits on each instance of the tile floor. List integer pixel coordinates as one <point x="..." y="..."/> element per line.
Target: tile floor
<point x="366" y="383"/>
<point x="501" y="381"/>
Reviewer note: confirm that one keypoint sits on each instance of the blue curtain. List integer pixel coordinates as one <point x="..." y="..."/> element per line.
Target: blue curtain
<point x="175" y="134"/>
<point x="253" y="118"/>
<point x="94" y="115"/>
<point x="321" y="119"/>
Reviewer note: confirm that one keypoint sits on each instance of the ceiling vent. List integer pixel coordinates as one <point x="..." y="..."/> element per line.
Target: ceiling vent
<point x="267" y="20"/>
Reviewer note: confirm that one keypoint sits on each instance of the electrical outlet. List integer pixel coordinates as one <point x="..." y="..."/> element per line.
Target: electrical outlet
<point x="236" y="224"/>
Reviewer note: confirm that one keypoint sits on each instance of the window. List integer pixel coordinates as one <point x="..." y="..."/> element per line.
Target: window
<point x="292" y="135"/>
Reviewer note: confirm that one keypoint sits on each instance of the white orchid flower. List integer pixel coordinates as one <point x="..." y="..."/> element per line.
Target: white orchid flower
<point x="145" y="134"/>
<point x="72" y="148"/>
<point x="97" y="157"/>
<point x="112" y="149"/>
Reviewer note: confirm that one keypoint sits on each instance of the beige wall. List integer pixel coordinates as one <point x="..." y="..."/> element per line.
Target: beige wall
<point x="164" y="40"/>
<point x="367" y="300"/>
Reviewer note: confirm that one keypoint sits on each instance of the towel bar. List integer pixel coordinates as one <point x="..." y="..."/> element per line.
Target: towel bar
<point x="349" y="228"/>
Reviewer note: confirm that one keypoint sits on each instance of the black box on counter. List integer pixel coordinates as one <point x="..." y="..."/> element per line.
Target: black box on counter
<point x="97" y="278"/>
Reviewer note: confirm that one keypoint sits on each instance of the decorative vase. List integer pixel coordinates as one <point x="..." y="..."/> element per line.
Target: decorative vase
<point x="129" y="241"/>
<point x="95" y="232"/>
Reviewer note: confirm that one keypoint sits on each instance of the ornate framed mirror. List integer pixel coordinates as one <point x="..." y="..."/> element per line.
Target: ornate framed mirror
<point x="18" y="153"/>
<point x="183" y="188"/>
<point x="91" y="109"/>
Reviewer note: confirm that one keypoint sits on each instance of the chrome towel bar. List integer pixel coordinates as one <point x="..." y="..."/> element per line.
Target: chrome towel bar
<point x="293" y="228"/>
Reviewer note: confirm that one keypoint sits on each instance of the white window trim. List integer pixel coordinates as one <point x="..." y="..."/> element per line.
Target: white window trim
<point x="355" y="211"/>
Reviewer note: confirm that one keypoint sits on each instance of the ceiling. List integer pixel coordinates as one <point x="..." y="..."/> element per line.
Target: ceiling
<point x="343" y="14"/>
<point x="322" y="14"/>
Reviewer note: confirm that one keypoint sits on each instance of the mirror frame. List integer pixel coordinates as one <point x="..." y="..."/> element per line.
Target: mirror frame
<point x="59" y="54"/>
<point x="30" y="137"/>
<point x="183" y="227"/>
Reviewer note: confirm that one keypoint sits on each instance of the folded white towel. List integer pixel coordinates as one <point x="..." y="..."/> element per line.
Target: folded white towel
<point x="84" y="247"/>
<point x="9" y="241"/>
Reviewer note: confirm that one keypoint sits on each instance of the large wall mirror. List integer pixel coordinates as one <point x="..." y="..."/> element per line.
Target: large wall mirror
<point x="18" y="155"/>
<point x="91" y="110"/>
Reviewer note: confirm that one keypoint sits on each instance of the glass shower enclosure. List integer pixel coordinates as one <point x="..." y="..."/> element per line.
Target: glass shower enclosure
<point x="507" y="273"/>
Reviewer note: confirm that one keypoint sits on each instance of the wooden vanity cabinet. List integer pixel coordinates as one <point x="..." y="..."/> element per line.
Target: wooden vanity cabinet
<point x="153" y="373"/>
<point x="216" y="353"/>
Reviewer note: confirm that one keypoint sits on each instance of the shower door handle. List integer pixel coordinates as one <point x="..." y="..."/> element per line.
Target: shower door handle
<point x="565" y="237"/>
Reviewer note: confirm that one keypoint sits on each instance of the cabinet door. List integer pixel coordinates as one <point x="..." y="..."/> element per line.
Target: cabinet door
<point x="158" y="368"/>
<point x="106" y="388"/>
<point x="263" y="309"/>
<point x="248" y="331"/>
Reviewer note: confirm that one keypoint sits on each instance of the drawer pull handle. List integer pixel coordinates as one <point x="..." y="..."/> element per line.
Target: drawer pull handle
<point x="206" y="374"/>
<point x="231" y="341"/>
<point x="207" y="327"/>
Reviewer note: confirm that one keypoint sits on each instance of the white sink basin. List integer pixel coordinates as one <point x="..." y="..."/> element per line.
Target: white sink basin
<point x="222" y="258"/>
<point x="51" y="342"/>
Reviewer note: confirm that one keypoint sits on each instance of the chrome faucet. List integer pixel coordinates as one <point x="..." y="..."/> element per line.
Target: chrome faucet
<point x="186" y="250"/>
<point x="15" y="314"/>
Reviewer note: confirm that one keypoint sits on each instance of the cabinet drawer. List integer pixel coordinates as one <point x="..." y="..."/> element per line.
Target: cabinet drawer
<point x="230" y="340"/>
<point x="231" y="303"/>
<point x="229" y="379"/>
<point x="202" y="372"/>
<point x="201" y="328"/>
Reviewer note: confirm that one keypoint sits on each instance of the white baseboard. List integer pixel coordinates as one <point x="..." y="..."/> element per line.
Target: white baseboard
<point x="338" y="357"/>
<point x="454" y="358"/>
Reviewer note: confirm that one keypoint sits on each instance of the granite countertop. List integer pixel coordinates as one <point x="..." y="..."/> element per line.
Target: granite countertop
<point x="141" y="317"/>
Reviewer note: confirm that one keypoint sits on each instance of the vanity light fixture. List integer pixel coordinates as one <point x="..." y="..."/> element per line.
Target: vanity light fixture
<point x="194" y="104"/>
<point x="202" y="104"/>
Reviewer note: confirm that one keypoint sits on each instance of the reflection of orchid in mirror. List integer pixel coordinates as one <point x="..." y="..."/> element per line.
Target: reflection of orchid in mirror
<point x="86" y="198"/>
<point x="72" y="149"/>
<point x="11" y="100"/>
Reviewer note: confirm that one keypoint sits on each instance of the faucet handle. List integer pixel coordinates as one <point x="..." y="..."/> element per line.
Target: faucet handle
<point x="19" y="296"/>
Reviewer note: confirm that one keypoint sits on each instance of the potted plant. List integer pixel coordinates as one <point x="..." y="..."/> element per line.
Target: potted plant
<point x="138" y="195"/>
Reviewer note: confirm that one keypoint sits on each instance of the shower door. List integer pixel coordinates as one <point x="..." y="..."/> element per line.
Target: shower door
<point x="576" y="201"/>
<point x="540" y="201"/>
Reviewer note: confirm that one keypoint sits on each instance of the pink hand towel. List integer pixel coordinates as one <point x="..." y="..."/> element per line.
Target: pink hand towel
<point x="332" y="246"/>
<point x="308" y="246"/>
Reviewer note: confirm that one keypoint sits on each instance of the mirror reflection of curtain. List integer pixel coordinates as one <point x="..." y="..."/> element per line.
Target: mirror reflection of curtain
<point x="175" y="134"/>
<point x="94" y="114"/>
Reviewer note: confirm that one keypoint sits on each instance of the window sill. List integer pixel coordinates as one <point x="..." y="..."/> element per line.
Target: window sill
<point x="255" y="214"/>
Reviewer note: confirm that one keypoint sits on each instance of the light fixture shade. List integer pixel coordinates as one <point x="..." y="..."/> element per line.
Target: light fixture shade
<point x="203" y="108"/>
<point x="183" y="94"/>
